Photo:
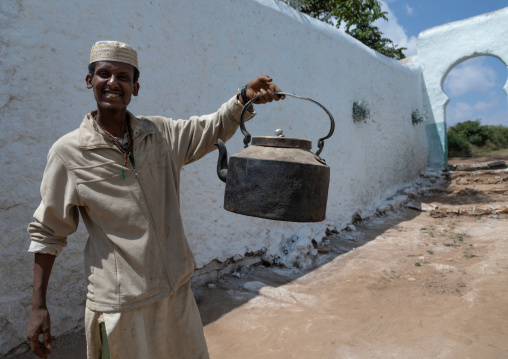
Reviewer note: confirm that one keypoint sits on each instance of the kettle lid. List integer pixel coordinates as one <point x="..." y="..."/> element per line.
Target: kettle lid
<point x="285" y="142"/>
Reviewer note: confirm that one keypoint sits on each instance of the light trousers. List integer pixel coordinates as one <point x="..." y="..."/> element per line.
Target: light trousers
<point x="168" y="328"/>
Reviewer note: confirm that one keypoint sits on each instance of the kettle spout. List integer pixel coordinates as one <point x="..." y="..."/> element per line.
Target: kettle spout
<point x="222" y="163"/>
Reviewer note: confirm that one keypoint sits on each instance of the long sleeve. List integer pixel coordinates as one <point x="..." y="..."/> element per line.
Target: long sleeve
<point x="57" y="215"/>
<point x="194" y="138"/>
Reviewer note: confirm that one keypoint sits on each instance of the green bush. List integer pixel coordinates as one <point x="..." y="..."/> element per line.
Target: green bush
<point x="475" y="133"/>
<point x="466" y="136"/>
<point x="498" y="136"/>
<point x="458" y="145"/>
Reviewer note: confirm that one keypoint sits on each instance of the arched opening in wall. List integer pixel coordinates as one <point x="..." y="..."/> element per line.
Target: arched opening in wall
<point x="477" y="114"/>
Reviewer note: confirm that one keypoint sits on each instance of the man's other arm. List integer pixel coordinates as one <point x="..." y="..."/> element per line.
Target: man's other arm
<point x="40" y="322"/>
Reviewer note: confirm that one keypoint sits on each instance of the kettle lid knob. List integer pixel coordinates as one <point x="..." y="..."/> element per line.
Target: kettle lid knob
<point x="279" y="132"/>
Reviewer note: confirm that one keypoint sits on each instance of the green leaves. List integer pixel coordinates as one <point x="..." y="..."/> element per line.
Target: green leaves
<point x="466" y="137"/>
<point x="357" y="16"/>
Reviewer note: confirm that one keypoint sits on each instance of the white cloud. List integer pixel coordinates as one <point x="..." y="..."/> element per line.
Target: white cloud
<point x="490" y="112"/>
<point x="485" y="105"/>
<point x="409" y="10"/>
<point x="469" y="76"/>
<point x="392" y="30"/>
<point x="459" y="112"/>
<point x="498" y="118"/>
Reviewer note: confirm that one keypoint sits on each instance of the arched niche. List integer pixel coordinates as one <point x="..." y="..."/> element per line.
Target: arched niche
<point x="466" y="58"/>
<point x="443" y="47"/>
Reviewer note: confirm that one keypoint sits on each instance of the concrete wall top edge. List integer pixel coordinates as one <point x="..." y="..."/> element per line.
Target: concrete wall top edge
<point x="332" y="32"/>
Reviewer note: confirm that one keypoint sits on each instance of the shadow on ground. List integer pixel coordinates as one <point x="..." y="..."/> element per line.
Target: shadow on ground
<point x="215" y="300"/>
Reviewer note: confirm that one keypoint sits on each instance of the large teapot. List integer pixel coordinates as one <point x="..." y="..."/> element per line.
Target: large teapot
<point x="277" y="177"/>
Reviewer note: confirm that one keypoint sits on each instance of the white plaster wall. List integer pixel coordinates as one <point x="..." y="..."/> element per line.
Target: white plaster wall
<point x="193" y="56"/>
<point x="441" y="48"/>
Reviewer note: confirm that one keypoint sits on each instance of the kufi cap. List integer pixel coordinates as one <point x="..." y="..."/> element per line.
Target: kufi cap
<point x="114" y="51"/>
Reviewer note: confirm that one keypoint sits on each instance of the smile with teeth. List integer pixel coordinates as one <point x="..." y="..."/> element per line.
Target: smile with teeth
<point x="112" y="95"/>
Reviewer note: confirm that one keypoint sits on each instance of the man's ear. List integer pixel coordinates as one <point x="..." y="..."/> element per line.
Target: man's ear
<point x="88" y="81"/>
<point x="135" y="90"/>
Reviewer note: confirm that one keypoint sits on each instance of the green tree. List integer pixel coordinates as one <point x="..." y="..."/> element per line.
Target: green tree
<point x="458" y="146"/>
<point x="466" y="137"/>
<point x="474" y="132"/>
<point x="498" y="136"/>
<point x="357" y="16"/>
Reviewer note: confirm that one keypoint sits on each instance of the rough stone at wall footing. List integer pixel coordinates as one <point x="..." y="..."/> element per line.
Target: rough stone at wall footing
<point x="214" y="270"/>
<point x="478" y="166"/>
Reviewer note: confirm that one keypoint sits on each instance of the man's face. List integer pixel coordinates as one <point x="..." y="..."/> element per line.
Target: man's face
<point x="112" y="84"/>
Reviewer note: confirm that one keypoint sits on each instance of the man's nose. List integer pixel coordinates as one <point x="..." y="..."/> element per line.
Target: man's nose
<point x="113" y="81"/>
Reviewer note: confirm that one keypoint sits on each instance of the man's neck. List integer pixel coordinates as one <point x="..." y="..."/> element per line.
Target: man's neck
<point x="113" y="122"/>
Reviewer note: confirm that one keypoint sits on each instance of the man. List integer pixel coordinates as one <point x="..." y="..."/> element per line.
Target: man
<point x="122" y="174"/>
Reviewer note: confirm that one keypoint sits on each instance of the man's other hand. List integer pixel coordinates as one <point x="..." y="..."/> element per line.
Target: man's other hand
<point x="40" y="323"/>
<point x="264" y="88"/>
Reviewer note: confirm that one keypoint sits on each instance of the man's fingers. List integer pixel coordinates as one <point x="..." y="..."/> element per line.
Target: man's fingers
<point x="38" y="324"/>
<point x="38" y="348"/>
<point x="277" y="89"/>
<point x="42" y="350"/>
<point x="265" y="78"/>
<point x="266" y="96"/>
<point x="271" y="95"/>
<point x="261" y="96"/>
<point x="47" y="338"/>
<point x="263" y="88"/>
<point x="275" y="96"/>
<point x="45" y="351"/>
<point x="34" y="346"/>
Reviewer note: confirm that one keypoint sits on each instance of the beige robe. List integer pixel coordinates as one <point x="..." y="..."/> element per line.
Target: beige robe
<point x="168" y="328"/>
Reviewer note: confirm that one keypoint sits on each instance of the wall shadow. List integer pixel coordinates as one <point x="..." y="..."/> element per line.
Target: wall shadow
<point x="215" y="302"/>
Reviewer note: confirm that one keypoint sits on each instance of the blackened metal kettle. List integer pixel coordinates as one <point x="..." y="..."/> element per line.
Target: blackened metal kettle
<point x="276" y="177"/>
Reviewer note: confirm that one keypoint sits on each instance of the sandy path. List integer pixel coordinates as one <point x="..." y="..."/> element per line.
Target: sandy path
<point x="414" y="287"/>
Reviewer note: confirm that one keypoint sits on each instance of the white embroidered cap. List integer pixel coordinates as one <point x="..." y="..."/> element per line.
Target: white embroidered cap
<point x="114" y="51"/>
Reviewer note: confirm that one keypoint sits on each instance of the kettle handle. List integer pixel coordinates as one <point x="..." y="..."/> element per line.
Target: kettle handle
<point x="321" y="141"/>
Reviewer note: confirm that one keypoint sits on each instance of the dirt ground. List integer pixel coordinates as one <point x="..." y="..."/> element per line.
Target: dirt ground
<point x="429" y="283"/>
<point x="419" y="288"/>
<point x="413" y="284"/>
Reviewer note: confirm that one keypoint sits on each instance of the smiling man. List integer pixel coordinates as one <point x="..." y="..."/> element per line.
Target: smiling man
<point x="122" y="174"/>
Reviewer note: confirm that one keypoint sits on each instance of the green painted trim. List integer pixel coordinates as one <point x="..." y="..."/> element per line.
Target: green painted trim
<point x="438" y="145"/>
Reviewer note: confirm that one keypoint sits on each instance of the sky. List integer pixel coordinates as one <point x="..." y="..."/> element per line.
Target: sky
<point x="475" y="87"/>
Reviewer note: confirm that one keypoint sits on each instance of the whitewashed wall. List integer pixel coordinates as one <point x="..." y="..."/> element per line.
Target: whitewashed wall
<point x="193" y="56"/>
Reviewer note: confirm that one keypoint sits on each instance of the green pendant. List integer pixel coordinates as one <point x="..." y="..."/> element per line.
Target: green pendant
<point x="123" y="175"/>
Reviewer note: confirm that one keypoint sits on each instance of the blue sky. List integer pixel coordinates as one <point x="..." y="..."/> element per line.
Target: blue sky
<point x="475" y="86"/>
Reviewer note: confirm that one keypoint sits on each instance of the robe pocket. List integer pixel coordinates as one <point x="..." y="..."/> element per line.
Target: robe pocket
<point x="100" y="172"/>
